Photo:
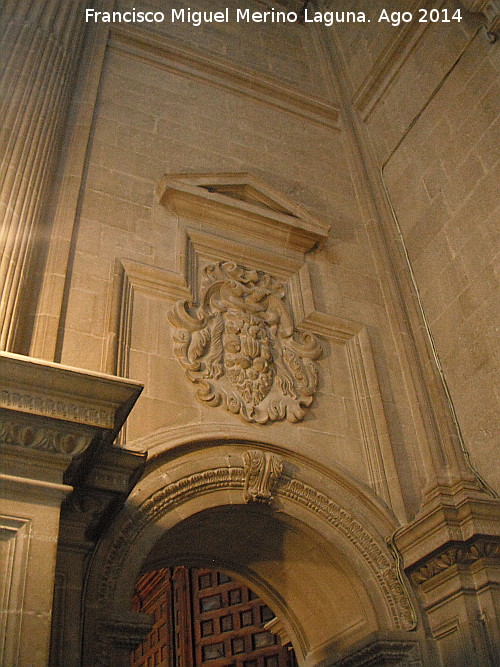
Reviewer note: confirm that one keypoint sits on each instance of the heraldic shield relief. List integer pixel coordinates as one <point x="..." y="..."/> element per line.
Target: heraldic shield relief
<point x="240" y="347"/>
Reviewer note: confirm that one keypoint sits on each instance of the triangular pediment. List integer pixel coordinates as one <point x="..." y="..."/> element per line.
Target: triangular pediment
<point x="249" y="194"/>
<point x="226" y="197"/>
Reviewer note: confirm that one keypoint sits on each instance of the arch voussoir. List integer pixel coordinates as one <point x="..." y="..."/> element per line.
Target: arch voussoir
<point x="220" y="485"/>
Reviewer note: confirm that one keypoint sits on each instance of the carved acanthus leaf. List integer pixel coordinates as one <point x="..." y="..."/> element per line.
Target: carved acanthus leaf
<point x="463" y="553"/>
<point x="240" y="347"/>
<point x="261" y="472"/>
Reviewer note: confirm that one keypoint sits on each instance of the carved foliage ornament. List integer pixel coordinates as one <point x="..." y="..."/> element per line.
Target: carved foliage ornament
<point x="240" y="346"/>
<point x="56" y="440"/>
<point x="461" y="553"/>
<point x="261" y="472"/>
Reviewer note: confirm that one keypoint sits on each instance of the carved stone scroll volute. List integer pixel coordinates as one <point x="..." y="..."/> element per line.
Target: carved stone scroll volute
<point x="262" y="469"/>
<point x="241" y="348"/>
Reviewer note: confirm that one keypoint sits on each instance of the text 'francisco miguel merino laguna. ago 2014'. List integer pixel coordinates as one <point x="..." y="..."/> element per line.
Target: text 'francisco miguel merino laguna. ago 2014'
<point x="239" y="15"/>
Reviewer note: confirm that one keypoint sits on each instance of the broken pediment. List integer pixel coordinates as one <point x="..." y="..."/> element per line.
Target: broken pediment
<point x="239" y="199"/>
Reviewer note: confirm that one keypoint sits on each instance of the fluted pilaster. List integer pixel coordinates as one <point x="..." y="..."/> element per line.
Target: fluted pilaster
<point x="42" y="40"/>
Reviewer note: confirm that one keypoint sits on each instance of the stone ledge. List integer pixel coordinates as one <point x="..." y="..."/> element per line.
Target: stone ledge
<point x="448" y="522"/>
<point x="450" y="534"/>
<point x="44" y="388"/>
<point x="160" y="51"/>
<point x="49" y="491"/>
<point x="101" y="487"/>
<point x="481" y="547"/>
<point x="378" y="648"/>
<point x="52" y="416"/>
<point x="490" y="9"/>
<point x="231" y="199"/>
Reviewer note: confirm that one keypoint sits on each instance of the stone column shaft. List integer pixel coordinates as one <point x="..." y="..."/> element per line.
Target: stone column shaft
<point x="42" y="40"/>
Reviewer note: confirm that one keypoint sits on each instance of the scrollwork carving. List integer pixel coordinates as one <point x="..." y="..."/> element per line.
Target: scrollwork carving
<point x="241" y="348"/>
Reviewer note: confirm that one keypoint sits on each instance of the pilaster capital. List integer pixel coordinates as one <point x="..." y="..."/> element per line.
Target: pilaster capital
<point x="106" y="483"/>
<point x="462" y="530"/>
<point x="379" y="648"/>
<point x="117" y="637"/>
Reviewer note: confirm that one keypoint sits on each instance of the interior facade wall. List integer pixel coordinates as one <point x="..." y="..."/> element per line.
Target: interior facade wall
<point x="371" y="150"/>
<point x="148" y="122"/>
<point x="432" y="117"/>
<point x="281" y="51"/>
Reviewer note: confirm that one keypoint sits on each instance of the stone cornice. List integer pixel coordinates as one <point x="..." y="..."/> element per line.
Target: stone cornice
<point x="404" y="40"/>
<point x="34" y="402"/>
<point x="39" y="434"/>
<point x="115" y="470"/>
<point x="123" y="634"/>
<point x="43" y="388"/>
<point x="277" y="627"/>
<point x="445" y="525"/>
<point x="460" y="530"/>
<point x="390" y="61"/>
<point x="55" y="413"/>
<point x="160" y="51"/>
<point x="33" y="488"/>
<point x="382" y="648"/>
<point x="491" y="10"/>
<point x="268" y="217"/>
<point x="100" y="490"/>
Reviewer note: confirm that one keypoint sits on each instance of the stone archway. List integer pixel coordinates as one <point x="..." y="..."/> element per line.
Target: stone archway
<point x="314" y="550"/>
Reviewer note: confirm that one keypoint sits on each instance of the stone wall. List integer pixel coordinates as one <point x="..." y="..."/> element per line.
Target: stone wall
<point x="282" y="51"/>
<point x="321" y="197"/>
<point x="431" y="110"/>
<point x="150" y="121"/>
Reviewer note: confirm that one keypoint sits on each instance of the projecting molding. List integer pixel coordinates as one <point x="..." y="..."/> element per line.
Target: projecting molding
<point x="230" y="199"/>
<point x="403" y="43"/>
<point x="48" y="389"/>
<point x="159" y="51"/>
<point x="48" y="407"/>
<point x="490" y="9"/>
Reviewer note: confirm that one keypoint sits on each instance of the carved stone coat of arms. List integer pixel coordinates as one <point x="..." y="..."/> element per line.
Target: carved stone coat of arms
<point x="239" y="345"/>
